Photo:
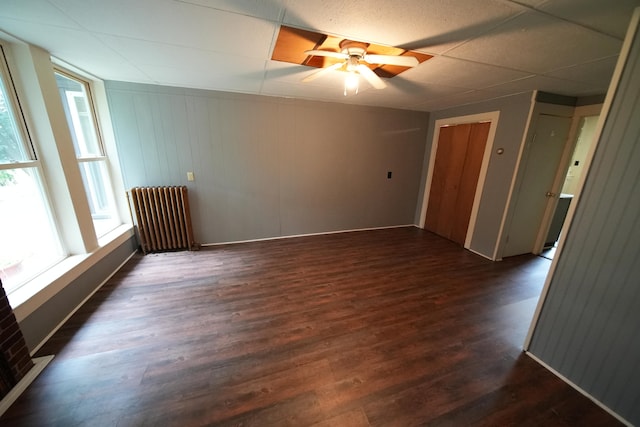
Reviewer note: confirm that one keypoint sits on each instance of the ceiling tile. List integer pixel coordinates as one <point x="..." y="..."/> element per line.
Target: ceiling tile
<point x="160" y="54"/>
<point x="468" y="97"/>
<point x="421" y="90"/>
<point x="116" y="70"/>
<point x="175" y="23"/>
<point x="301" y="90"/>
<point x="611" y="20"/>
<point x="461" y="73"/>
<point x="36" y="11"/>
<point x="549" y="84"/>
<point x="287" y="72"/>
<point x="75" y="47"/>
<point x="417" y="91"/>
<point x="405" y="94"/>
<point x="432" y="26"/>
<point x="483" y="49"/>
<point x="537" y="43"/>
<point x="271" y="10"/>
<point x="598" y="72"/>
<point x="211" y="77"/>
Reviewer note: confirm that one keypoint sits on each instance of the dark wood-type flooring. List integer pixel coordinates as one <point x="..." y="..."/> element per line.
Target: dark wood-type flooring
<point x="394" y="327"/>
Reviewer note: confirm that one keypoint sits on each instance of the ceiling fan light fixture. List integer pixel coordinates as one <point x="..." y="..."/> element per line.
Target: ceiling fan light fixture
<point x="355" y="57"/>
<point x="351" y="83"/>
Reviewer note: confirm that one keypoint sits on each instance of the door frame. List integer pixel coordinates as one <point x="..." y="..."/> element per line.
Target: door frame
<point x="565" y="162"/>
<point x="491" y="117"/>
<point x="519" y="193"/>
<point x="536" y="109"/>
<point x="634" y="26"/>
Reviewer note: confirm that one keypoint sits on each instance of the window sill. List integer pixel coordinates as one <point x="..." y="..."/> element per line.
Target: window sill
<point x="33" y="294"/>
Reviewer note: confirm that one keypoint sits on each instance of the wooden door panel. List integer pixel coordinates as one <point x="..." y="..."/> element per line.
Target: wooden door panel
<point x="438" y="179"/>
<point x="449" y="164"/>
<point x="469" y="180"/>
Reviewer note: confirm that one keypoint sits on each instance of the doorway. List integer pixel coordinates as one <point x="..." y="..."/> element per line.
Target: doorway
<point x="541" y="161"/>
<point x="455" y="178"/>
<point x="586" y="121"/>
<point x="458" y="163"/>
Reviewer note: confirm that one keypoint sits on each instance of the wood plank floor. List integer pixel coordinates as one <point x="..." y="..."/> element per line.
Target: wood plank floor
<point x="394" y="327"/>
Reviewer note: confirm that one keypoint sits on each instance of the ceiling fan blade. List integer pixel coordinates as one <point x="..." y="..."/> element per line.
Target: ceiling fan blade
<point x="403" y="61"/>
<point x="371" y="77"/>
<point x="322" y="72"/>
<point x="328" y="53"/>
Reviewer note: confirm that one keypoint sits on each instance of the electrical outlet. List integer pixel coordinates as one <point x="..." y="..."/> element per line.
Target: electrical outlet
<point x="190" y="176"/>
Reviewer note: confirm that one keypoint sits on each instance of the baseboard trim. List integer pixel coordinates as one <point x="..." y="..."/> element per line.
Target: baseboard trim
<point x="39" y="364"/>
<point x="292" y="236"/>
<point x="579" y="389"/>
<point x="482" y="255"/>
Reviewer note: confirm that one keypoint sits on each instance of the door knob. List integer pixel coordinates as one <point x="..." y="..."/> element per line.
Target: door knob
<point x="550" y="194"/>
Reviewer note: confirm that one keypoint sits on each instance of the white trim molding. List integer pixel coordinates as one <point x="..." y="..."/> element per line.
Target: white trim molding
<point x="493" y="117"/>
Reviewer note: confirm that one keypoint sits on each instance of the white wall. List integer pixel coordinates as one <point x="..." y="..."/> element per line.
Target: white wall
<point x="514" y="112"/>
<point x="583" y="145"/>
<point x="268" y="167"/>
<point x="589" y="322"/>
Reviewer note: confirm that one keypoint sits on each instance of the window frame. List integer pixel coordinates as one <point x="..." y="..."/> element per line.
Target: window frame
<point x="102" y="159"/>
<point x="33" y="166"/>
<point x="93" y="110"/>
<point x="17" y="113"/>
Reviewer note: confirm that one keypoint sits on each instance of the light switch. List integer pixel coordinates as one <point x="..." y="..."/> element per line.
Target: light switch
<point x="190" y="176"/>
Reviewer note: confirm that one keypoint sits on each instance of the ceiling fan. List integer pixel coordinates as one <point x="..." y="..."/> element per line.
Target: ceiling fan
<point x="355" y="58"/>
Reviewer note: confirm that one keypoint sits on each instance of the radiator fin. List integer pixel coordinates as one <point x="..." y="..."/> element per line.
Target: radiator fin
<point x="162" y="217"/>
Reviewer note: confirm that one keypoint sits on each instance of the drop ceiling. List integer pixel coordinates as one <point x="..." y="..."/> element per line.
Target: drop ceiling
<point x="481" y="49"/>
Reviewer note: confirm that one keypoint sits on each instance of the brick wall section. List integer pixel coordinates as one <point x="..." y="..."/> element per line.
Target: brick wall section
<point x="12" y="344"/>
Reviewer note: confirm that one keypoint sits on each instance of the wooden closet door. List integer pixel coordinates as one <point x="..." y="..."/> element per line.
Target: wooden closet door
<point x="469" y="180"/>
<point x="454" y="180"/>
<point x="445" y="181"/>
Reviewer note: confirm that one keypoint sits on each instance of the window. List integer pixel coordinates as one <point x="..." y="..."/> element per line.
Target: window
<point x="29" y="243"/>
<point x="78" y="106"/>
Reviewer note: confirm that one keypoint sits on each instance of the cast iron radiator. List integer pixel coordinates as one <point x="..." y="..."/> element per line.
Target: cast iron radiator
<point x="162" y="217"/>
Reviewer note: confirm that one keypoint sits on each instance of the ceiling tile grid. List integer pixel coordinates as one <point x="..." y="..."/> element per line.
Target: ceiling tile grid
<point x="174" y="23"/>
<point x="432" y="26"/>
<point x="37" y="12"/>
<point x="482" y="49"/>
<point x="598" y="72"/>
<point x="600" y="15"/>
<point x="537" y="43"/>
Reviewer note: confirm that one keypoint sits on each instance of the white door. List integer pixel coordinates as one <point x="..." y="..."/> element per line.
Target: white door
<point x="541" y="160"/>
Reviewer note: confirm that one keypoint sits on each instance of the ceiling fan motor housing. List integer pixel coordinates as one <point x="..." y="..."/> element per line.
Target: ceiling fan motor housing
<point x="352" y="48"/>
<point x="352" y="62"/>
